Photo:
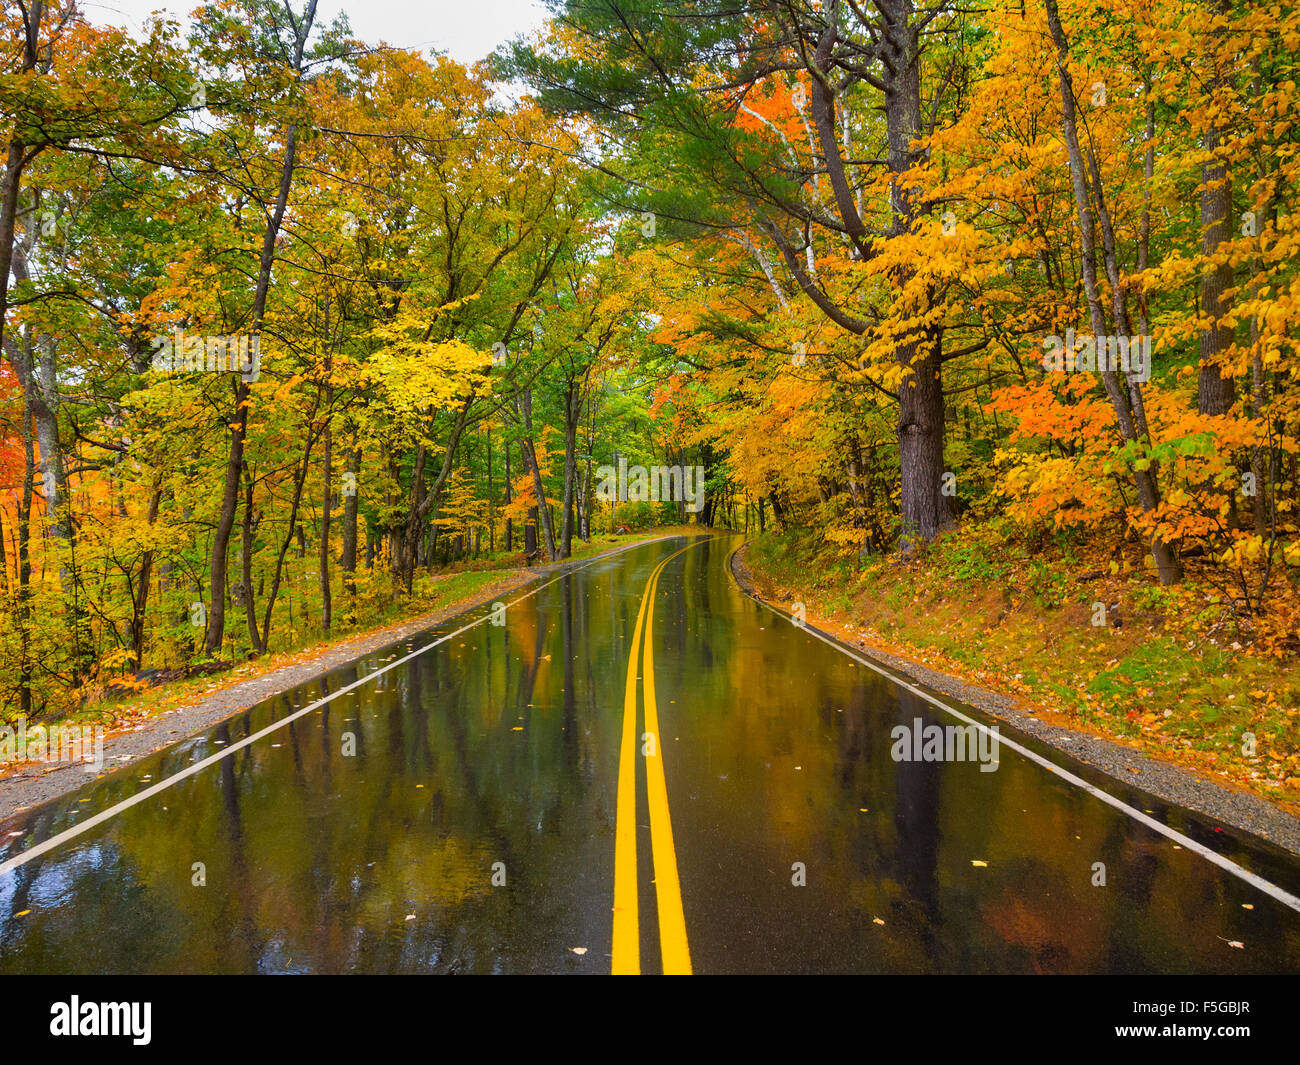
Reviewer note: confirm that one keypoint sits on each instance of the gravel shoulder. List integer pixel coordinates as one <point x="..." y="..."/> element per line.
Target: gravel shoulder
<point x="1131" y="768"/>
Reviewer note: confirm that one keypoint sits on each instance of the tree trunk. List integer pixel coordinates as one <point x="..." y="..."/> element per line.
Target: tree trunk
<point x="141" y="599"/>
<point x="25" y="568"/>
<point x="300" y="479"/>
<point x="530" y="533"/>
<point x="524" y="406"/>
<point x="16" y="160"/>
<point x="1129" y="414"/>
<point x="246" y="566"/>
<point x="327" y="497"/>
<point x="1215" y="387"/>
<point x="425" y="503"/>
<point x="349" y="562"/>
<point x="239" y="424"/>
<point x="510" y="524"/>
<point x="920" y="395"/>
<point x="572" y="398"/>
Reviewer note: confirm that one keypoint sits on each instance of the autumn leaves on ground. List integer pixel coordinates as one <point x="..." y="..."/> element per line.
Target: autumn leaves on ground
<point x="979" y="320"/>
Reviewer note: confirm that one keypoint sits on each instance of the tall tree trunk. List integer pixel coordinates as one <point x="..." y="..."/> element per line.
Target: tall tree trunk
<point x="510" y="524"/>
<point x="25" y="568"/>
<point x="491" y="497"/>
<point x="43" y="379"/>
<point x="299" y="481"/>
<point x="524" y="407"/>
<point x="36" y="372"/>
<point x="592" y="407"/>
<point x="1215" y="390"/>
<point x="327" y="496"/>
<point x="239" y="424"/>
<point x="246" y="565"/>
<point x="16" y="160"/>
<point x="572" y="409"/>
<point x="141" y="599"/>
<point x="1129" y="415"/>
<point x="425" y="503"/>
<point x="349" y="562"/>
<point x="925" y="509"/>
<point x="530" y="533"/>
<point x="35" y="365"/>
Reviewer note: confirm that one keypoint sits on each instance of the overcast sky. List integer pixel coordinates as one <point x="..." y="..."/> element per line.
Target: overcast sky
<point x="466" y="29"/>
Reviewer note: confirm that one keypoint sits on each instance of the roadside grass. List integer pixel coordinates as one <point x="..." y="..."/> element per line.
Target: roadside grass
<point x="1020" y="622"/>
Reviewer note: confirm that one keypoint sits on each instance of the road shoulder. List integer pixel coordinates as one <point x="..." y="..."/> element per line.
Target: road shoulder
<point x="1163" y="781"/>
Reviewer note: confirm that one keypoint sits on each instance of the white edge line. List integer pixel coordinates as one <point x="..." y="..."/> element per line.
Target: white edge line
<point x="99" y="818"/>
<point x="1255" y="880"/>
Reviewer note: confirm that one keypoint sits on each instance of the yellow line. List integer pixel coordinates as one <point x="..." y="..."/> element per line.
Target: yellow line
<point x="627" y="929"/>
<point x="668" y="889"/>
<point x="672" y="922"/>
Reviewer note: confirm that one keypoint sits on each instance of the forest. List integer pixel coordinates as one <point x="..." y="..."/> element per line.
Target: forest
<point x="998" y="295"/>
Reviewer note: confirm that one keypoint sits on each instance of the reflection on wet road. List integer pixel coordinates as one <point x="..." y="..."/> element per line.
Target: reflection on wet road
<point x="641" y="770"/>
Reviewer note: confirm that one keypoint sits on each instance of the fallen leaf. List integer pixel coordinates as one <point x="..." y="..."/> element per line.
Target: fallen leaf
<point x="979" y="864"/>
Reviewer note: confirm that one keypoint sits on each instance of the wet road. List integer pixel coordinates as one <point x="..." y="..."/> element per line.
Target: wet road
<point x="549" y="795"/>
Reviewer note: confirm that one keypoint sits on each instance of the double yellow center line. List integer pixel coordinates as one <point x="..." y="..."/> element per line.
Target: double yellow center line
<point x="668" y="890"/>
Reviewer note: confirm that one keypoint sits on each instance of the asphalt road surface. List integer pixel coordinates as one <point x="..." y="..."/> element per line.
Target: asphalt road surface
<point x="632" y="767"/>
